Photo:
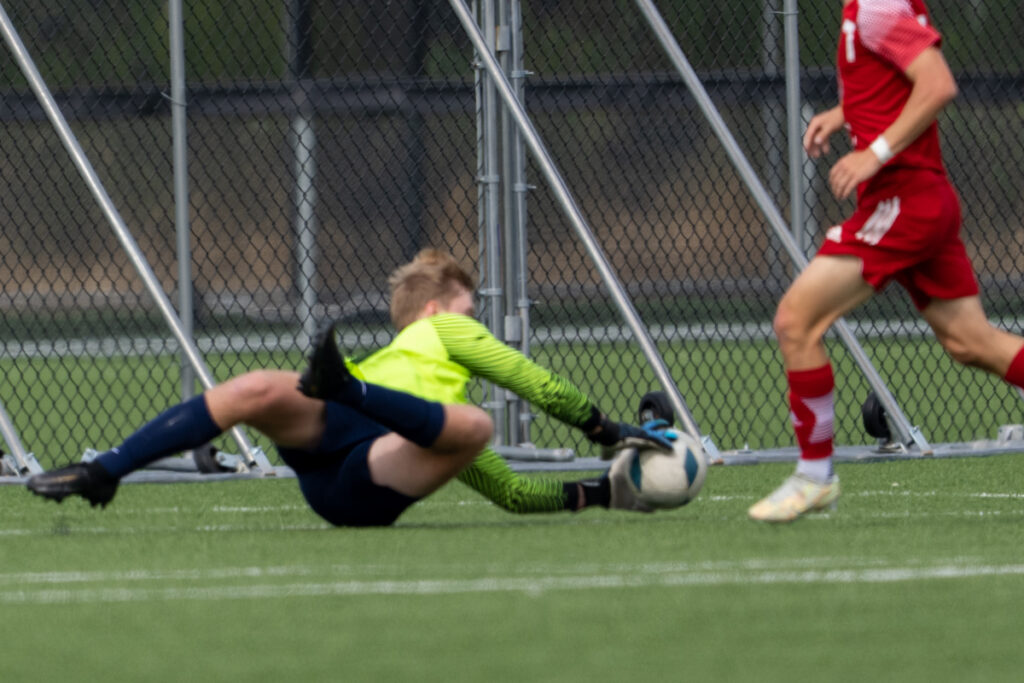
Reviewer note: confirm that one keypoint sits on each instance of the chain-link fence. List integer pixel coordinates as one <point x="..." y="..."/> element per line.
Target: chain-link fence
<point x="328" y="142"/>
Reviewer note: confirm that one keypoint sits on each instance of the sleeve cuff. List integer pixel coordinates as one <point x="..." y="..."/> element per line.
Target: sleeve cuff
<point x="592" y="421"/>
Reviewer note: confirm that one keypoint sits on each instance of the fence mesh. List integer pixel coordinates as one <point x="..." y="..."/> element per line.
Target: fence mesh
<point x="375" y="104"/>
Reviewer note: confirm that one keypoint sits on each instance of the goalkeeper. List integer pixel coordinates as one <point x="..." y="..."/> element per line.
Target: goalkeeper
<point x="367" y="440"/>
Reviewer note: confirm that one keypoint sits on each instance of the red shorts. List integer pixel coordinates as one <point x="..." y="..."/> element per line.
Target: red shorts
<point x="907" y="228"/>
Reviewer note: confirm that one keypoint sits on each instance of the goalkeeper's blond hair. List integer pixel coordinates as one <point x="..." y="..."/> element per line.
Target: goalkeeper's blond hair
<point x="432" y="275"/>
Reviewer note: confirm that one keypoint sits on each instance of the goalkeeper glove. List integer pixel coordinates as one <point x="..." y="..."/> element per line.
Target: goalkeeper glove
<point x="616" y="436"/>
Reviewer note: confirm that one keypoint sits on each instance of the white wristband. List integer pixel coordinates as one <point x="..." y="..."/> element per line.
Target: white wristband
<point x="881" y="149"/>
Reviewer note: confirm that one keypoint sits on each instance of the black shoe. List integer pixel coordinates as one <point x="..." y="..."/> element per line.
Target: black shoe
<point x="326" y="376"/>
<point x="86" y="479"/>
<point x="656" y="406"/>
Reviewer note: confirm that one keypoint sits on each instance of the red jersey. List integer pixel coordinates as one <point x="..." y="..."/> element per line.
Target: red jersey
<point x="878" y="41"/>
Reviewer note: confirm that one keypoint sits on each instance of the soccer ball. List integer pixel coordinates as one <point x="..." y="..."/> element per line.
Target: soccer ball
<point x="663" y="480"/>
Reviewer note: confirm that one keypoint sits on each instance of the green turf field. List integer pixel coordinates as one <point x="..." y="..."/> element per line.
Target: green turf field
<point x="917" y="577"/>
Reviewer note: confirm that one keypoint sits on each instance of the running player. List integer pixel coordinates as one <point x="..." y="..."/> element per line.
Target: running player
<point x="893" y="82"/>
<point x="367" y="440"/>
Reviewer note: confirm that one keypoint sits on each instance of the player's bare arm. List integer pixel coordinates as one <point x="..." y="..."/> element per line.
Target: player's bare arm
<point x="933" y="88"/>
<point x="821" y="128"/>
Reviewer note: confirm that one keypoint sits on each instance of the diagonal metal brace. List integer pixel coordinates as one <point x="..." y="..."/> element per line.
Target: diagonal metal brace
<point x="24" y="462"/>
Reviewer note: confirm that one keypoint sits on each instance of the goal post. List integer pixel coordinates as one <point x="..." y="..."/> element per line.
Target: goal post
<point x="579" y="223"/>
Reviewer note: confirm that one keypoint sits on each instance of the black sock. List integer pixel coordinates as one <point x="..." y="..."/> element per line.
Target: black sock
<point x="186" y="425"/>
<point x="595" y="492"/>
<point x="572" y="495"/>
<point x="417" y="419"/>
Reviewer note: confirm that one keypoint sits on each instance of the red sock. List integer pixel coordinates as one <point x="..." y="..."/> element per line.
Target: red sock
<point x="812" y="410"/>
<point x="1015" y="373"/>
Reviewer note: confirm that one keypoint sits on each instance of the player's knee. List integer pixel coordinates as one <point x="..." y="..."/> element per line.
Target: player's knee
<point x="975" y="344"/>
<point x="962" y="350"/>
<point x="258" y="392"/>
<point x="790" y="328"/>
<point x="467" y="431"/>
<point x="479" y="428"/>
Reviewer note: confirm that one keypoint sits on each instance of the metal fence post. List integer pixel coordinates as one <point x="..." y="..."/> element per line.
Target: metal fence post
<point x="302" y="137"/>
<point x="183" y="231"/>
<point x="794" y="120"/>
<point x="489" y="180"/>
<point x="514" y="188"/>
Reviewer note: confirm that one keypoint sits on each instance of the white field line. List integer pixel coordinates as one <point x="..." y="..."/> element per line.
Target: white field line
<point x="86" y="530"/>
<point x="894" y="492"/>
<point x="259" y="508"/>
<point x="221" y="573"/>
<point x="527" y="585"/>
<point x="124" y="510"/>
<point x="79" y="528"/>
<point x="431" y="502"/>
<point x="63" y="529"/>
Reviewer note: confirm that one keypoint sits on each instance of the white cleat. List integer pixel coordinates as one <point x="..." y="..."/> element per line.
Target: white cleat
<point x="797" y="496"/>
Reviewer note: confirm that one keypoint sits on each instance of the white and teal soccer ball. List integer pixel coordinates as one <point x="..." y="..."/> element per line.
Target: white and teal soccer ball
<point x="663" y="480"/>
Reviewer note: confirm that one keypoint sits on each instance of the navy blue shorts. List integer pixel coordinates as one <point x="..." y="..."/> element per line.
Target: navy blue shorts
<point x="334" y="476"/>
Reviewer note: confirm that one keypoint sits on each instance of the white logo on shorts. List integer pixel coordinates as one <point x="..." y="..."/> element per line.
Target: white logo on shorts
<point x="835" y="233"/>
<point x="880" y="222"/>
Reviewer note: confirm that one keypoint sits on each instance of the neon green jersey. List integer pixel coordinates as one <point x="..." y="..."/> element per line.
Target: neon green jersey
<point x="419" y="363"/>
<point x="434" y="358"/>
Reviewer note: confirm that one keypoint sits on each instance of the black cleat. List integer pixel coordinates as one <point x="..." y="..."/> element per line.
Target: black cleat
<point x="86" y="479"/>
<point x="326" y="375"/>
<point x="655" y="406"/>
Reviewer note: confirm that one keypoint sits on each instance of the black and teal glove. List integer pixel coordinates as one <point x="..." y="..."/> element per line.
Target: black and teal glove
<point x="617" y="436"/>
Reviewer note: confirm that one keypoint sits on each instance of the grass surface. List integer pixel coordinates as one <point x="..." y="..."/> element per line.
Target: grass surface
<point x="917" y="577"/>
